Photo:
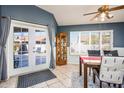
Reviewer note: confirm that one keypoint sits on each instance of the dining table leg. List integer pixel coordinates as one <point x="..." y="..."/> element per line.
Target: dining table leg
<point x="80" y="66"/>
<point x="85" y="76"/>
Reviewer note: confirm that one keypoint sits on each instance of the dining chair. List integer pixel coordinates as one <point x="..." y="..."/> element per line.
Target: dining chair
<point x="111" y="71"/>
<point x="93" y="53"/>
<point x="110" y="53"/>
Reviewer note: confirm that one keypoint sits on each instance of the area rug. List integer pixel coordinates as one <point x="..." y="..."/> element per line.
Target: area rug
<point x="34" y="78"/>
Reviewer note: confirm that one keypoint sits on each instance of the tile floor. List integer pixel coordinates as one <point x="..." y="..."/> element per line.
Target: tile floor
<point x="67" y="77"/>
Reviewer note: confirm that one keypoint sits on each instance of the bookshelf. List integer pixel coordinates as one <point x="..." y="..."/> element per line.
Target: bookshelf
<point x="61" y="48"/>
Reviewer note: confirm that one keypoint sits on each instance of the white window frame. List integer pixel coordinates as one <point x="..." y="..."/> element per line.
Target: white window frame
<point x="101" y="31"/>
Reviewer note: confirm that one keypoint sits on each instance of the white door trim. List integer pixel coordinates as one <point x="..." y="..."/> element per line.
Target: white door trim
<point x="9" y="49"/>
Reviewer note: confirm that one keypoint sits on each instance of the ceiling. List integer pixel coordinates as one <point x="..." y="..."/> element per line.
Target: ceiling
<point x="73" y="14"/>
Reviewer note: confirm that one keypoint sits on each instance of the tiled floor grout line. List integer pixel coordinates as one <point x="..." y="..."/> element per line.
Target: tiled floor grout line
<point x="67" y="77"/>
<point x="65" y="74"/>
<point x="51" y="83"/>
<point x="16" y="85"/>
<point x="62" y="83"/>
<point x="46" y="84"/>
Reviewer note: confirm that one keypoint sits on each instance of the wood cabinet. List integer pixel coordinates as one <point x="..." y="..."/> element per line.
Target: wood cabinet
<point x="61" y="48"/>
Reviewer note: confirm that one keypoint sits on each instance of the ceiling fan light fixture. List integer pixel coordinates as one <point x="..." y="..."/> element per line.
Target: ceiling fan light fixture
<point x="103" y="12"/>
<point x="110" y="16"/>
<point x="103" y="19"/>
<point x="96" y="19"/>
<point x="103" y="15"/>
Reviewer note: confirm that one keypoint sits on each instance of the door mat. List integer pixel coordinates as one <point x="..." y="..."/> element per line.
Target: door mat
<point x="34" y="78"/>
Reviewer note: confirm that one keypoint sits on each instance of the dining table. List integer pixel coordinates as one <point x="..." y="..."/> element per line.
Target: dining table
<point x="88" y="62"/>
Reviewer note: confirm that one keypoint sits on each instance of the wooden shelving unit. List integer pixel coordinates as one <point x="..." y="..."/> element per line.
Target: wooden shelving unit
<point x="61" y="48"/>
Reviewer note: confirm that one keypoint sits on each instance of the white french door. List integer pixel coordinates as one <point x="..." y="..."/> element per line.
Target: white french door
<point x="28" y="48"/>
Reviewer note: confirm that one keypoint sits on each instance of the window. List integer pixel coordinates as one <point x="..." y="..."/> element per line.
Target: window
<point x="95" y="41"/>
<point x="74" y="43"/>
<point x="82" y="41"/>
<point x="106" y="40"/>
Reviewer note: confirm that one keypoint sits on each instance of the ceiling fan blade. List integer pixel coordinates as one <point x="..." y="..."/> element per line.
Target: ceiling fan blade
<point x="95" y="17"/>
<point x="106" y="6"/>
<point x="116" y="8"/>
<point x="90" y="13"/>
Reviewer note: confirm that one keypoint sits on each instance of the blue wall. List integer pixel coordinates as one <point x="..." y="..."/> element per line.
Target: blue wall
<point x="0" y="21"/>
<point x="0" y="10"/>
<point x="30" y="13"/>
<point x="118" y="28"/>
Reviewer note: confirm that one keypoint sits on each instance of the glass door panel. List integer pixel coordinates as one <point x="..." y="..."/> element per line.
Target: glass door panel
<point x="40" y="47"/>
<point x="20" y="48"/>
<point x="24" y="47"/>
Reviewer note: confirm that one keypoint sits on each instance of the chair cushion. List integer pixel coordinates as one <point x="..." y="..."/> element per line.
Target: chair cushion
<point x="112" y="70"/>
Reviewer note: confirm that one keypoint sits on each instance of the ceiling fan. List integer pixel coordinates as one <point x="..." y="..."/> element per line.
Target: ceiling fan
<point x="104" y="12"/>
